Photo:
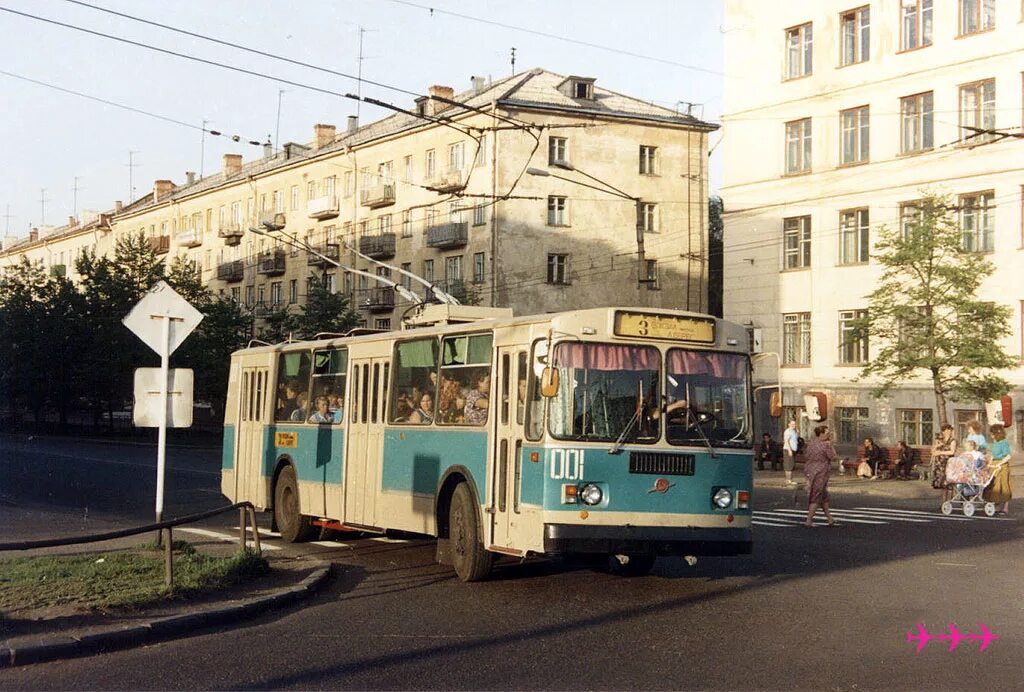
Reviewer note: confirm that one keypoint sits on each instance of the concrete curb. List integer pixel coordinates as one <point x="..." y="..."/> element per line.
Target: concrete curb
<point x="38" y="650"/>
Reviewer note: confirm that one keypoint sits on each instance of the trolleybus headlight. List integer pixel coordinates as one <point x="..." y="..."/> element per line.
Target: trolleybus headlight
<point x="590" y="494"/>
<point x="722" y="498"/>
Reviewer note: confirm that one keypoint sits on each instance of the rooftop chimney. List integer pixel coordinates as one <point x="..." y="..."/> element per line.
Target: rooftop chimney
<point x="190" y="177"/>
<point x="232" y="164"/>
<point x="442" y="91"/>
<point x="479" y="84"/>
<point x="323" y="135"/>
<point x="353" y="124"/>
<point x="118" y="206"/>
<point x="162" y="188"/>
<point x="33" y="235"/>
<point x="72" y="222"/>
<point x="268" y="150"/>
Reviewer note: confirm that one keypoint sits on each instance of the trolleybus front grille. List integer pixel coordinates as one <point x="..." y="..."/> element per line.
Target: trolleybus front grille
<point x="661" y="464"/>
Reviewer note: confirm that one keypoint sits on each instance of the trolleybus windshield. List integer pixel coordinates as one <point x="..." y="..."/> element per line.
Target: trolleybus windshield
<point x="714" y="387"/>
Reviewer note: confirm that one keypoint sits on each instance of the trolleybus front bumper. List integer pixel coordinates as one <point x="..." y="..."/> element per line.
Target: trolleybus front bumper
<point x="658" y="540"/>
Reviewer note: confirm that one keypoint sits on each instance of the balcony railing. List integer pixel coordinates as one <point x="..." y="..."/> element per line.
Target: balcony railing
<point x="231" y="271"/>
<point x="160" y="243"/>
<point x="231" y="233"/>
<point x="330" y="250"/>
<point x="323" y="207"/>
<point x="378" y="196"/>
<point x="446" y="181"/>
<point x="191" y="238"/>
<point x="378" y="246"/>
<point x="271" y="263"/>
<point x="380" y="299"/>
<point x="448" y="235"/>
<point x="273" y="221"/>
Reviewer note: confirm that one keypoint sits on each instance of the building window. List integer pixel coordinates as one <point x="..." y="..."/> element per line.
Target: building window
<point x="910" y="216"/>
<point x="796" y="338"/>
<point x="853" y="236"/>
<point x="384" y="223"/>
<point x="915" y="426"/>
<point x="796" y="234"/>
<point x="453" y="269"/>
<point x="856" y="135"/>
<point x="798" y="51"/>
<point x="583" y="89"/>
<point x="481" y="151"/>
<point x="383" y="324"/>
<point x="349" y="182"/>
<point x="275" y="293"/>
<point x="556" y="211"/>
<point x="647" y="216"/>
<point x="962" y="417"/>
<point x="386" y="173"/>
<point x="917" y="126"/>
<point x="852" y="350"/>
<point x="978" y="111"/>
<point x="295" y="198"/>
<point x="558" y="269"/>
<point x="916" y="24"/>
<point x="236" y="294"/>
<point x="456" y="156"/>
<point x="651" y="274"/>
<point x="311" y="190"/>
<point x="430" y="164"/>
<point x="407" y="224"/>
<point x="329" y="283"/>
<point x="278" y="202"/>
<point x="478" y="268"/>
<point x="406" y="280"/>
<point x="977" y="221"/>
<point x="798" y="146"/>
<point x="262" y="293"/>
<point x="853" y="424"/>
<point x="479" y="215"/>
<point x="428" y="270"/>
<point x="293" y="291"/>
<point x="855" y="33"/>
<point x="648" y="160"/>
<point x="977" y="15"/>
<point x="408" y="169"/>
<point x="557" y="150"/>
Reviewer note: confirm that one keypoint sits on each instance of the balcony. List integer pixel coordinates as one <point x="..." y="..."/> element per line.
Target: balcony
<point x="381" y="299"/>
<point x="448" y="235"/>
<point x="330" y="250"/>
<point x="378" y="196"/>
<point x="231" y="233"/>
<point x="273" y="221"/>
<point x="378" y="246"/>
<point x="231" y="271"/>
<point x="271" y="263"/>
<point x="448" y="181"/>
<point x="323" y="207"/>
<point x="60" y="270"/>
<point x="191" y="238"/>
<point x="161" y="244"/>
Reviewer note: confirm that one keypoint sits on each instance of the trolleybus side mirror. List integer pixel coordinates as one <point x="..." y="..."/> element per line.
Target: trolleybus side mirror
<point x="549" y="382"/>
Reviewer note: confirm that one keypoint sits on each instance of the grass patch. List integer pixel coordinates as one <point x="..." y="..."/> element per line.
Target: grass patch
<point x="127" y="579"/>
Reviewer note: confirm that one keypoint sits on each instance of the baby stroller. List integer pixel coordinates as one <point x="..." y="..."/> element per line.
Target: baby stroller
<point x="969" y="475"/>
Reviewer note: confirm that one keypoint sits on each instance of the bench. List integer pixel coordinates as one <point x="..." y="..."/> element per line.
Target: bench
<point x="797" y="459"/>
<point x="922" y="457"/>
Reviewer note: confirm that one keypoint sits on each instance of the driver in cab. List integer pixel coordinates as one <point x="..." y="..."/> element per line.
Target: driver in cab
<point x="675" y="403"/>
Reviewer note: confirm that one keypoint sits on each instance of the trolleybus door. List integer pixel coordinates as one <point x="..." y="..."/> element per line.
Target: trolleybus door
<point x="507" y="451"/>
<point x="249" y="453"/>
<point x="365" y="440"/>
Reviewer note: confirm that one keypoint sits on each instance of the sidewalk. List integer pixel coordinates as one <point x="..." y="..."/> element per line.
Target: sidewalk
<point x="47" y="638"/>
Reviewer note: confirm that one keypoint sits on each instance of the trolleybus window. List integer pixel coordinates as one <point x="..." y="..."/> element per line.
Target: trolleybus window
<point x="465" y="392"/>
<point x="329" y="368"/>
<point x="603" y="392"/>
<point x="414" y="389"/>
<point x="535" y="407"/>
<point x="292" y="387"/>
<point x="714" y="387"/>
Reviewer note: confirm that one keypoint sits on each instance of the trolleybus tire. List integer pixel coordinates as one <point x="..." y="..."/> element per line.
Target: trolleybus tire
<point x="469" y="558"/>
<point x="635" y="566"/>
<point x="294" y="527"/>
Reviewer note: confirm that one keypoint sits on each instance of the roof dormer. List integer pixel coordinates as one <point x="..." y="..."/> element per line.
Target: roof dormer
<point x="581" y="88"/>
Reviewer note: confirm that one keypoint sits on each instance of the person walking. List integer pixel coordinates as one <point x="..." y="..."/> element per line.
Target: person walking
<point x="999" y="490"/>
<point x="818" y="459"/>
<point x="790" y="446"/>
<point x="942" y="452"/>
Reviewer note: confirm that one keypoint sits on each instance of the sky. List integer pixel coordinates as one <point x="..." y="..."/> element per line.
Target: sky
<point x="663" y="51"/>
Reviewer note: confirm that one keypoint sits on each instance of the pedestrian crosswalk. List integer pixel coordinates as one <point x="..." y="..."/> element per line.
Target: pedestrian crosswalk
<point x="266" y="535"/>
<point x="783" y="518"/>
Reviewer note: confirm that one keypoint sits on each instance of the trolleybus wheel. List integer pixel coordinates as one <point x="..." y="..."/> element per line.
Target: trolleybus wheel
<point x="947" y="507"/>
<point x="631" y="565"/>
<point x="293" y="526"/>
<point x="990" y="509"/>
<point x="471" y="561"/>
<point x="968" y="509"/>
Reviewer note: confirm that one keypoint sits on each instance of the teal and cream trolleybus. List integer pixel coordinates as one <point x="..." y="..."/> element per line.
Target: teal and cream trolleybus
<point x="619" y="432"/>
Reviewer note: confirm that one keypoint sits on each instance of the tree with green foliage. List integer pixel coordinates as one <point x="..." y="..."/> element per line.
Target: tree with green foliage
<point x="323" y="312"/>
<point x="926" y="316"/>
<point x="716" y="247"/>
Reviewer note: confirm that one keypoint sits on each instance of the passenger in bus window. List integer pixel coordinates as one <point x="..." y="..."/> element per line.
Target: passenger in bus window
<point x="287" y="401"/>
<point x="424" y="414"/>
<point x="336" y="405"/>
<point x="477" y="400"/>
<point x="403" y="408"/>
<point x="452" y="401"/>
<point x="299" y="414"/>
<point x="322" y="413"/>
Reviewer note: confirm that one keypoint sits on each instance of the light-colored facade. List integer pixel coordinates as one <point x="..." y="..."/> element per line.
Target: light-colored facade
<point x="837" y="115"/>
<point x="479" y="205"/>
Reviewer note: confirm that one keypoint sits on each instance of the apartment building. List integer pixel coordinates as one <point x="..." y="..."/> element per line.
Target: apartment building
<point x="543" y="192"/>
<point x="838" y="115"/>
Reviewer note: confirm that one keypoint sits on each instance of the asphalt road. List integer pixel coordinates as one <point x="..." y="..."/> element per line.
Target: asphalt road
<point x="811" y="609"/>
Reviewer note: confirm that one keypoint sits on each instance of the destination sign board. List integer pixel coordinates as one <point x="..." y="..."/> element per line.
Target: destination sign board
<point x="676" y="328"/>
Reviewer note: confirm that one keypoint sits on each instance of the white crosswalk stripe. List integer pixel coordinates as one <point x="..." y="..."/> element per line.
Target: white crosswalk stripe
<point x="223" y="537"/>
<point x="782" y="518"/>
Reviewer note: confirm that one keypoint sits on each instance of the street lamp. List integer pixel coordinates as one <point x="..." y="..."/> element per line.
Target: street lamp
<point x="607" y="189"/>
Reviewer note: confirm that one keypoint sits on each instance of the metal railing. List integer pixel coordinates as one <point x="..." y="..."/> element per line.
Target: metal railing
<point x="446" y="235"/>
<point x="378" y="246"/>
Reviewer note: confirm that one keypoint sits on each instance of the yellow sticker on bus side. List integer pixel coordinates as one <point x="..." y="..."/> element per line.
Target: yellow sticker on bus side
<point x="648" y="326"/>
<point x="286" y="439"/>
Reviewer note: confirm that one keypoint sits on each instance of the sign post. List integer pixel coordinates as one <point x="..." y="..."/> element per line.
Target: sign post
<point x="162" y="319"/>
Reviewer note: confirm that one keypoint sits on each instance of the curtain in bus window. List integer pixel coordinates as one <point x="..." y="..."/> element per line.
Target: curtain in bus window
<point x="715" y="390"/>
<point x="414" y="392"/>
<point x="606" y="357"/>
<point x="724" y="365"/>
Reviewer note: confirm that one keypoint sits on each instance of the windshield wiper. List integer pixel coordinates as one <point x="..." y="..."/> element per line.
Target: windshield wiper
<point x="621" y="439"/>
<point x="690" y="415"/>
